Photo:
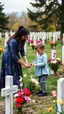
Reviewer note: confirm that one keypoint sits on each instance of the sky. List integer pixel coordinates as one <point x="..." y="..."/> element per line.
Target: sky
<point x="15" y="5"/>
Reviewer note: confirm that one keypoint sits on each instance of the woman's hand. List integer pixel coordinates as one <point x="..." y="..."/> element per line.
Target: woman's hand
<point x="25" y="59"/>
<point x="24" y="64"/>
<point x="27" y="63"/>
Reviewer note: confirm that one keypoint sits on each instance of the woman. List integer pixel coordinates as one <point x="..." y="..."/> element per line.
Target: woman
<point x="11" y="62"/>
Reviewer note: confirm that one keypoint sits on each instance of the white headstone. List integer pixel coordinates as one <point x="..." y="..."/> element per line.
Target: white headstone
<point x="63" y="37"/>
<point x="63" y="51"/>
<point x="8" y="93"/>
<point x="0" y="35"/>
<point x="11" y="33"/>
<point x="53" y="54"/>
<point x="50" y="36"/>
<point x="43" y="39"/>
<point x="5" y="43"/>
<point x="25" y="47"/>
<point x="6" y="38"/>
<point x="63" y="54"/>
<point x="54" y="37"/>
<point x="60" y="93"/>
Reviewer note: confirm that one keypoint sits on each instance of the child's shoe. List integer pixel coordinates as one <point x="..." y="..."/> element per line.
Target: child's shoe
<point x="39" y="92"/>
<point x="42" y="94"/>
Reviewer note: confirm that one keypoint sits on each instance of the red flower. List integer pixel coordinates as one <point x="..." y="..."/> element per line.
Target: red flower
<point x="49" y="60"/>
<point x="19" y="100"/>
<point x="38" y="42"/>
<point x="31" y="41"/>
<point x="59" y="62"/>
<point x="26" y="91"/>
<point x="20" y="93"/>
<point x="19" y="105"/>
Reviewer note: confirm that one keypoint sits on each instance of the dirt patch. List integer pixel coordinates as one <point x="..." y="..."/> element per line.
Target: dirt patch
<point x="2" y="107"/>
<point x="40" y="105"/>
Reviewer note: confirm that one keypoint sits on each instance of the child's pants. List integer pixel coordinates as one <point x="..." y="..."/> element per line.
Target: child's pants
<point x="42" y="81"/>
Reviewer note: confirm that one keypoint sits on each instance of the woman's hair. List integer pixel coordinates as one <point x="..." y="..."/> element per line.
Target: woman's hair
<point x="19" y="33"/>
<point x="39" y="46"/>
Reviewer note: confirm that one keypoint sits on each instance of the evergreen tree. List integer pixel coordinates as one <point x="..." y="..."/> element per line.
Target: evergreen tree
<point x="48" y="12"/>
<point x="3" y="20"/>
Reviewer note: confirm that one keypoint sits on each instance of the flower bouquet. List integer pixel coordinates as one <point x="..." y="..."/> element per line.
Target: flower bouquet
<point x="54" y="64"/>
<point x="21" y="98"/>
<point x="51" y="44"/>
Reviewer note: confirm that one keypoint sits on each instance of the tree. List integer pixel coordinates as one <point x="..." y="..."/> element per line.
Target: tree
<point x="3" y="20"/>
<point x="24" y="19"/>
<point x="48" y="12"/>
<point x="12" y="20"/>
<point x="16" y="20"/>
<point x="15" y="26"/>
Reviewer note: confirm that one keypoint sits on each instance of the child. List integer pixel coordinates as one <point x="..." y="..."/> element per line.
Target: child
<point x="42" y="69"/>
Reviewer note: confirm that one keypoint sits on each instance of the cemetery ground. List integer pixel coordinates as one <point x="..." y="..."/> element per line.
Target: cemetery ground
<point x="40" y="104"/>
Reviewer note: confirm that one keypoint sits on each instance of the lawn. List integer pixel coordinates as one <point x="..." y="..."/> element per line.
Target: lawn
<point x="41" y="104"/>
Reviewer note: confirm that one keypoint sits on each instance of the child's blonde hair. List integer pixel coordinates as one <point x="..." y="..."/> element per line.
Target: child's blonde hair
<point x="39" y="46"/>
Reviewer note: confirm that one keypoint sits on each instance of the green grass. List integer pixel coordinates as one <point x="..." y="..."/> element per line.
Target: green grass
<point x="2" y="43"/>
<point x="42" y="104"/>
